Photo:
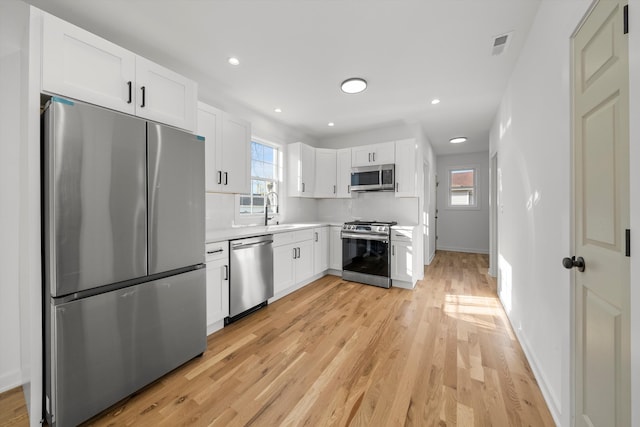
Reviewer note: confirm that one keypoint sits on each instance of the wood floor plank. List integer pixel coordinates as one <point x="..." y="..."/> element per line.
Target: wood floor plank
<point x="337" y="353"/>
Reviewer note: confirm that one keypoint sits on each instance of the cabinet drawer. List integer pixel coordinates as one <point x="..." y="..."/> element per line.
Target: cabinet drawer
<point x="401" y="234"/>
<point x="280" y="239"/>
<point x="303" y="235"/>
<point x="217" y="250"/>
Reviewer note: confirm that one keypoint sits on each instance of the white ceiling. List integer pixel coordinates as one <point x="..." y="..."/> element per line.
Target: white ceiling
<point x="295" y="53"/>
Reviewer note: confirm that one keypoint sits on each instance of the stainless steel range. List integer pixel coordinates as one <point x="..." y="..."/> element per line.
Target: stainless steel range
<point x="366" y="257"/>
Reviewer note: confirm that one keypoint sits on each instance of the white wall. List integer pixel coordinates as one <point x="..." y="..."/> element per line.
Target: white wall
<point x="463" y="230"/>
<point x="10" y="77"/>
<point x="634" y="161"/>
<point x="532" y="136"/>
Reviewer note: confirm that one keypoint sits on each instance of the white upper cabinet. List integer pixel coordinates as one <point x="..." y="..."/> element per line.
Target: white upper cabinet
<point x="80" y="65"/>
<point x="406" y="171"/>
<point x="325" y="181"/>
<point x="234" y="167"/>
<point x="301" y="170"/>
<point x="227" y="150"/>
<point x="343" y="173"/>
<point x="210" y="127"/>
<point x="165" y="96"/>
<point x="376" y="154"/>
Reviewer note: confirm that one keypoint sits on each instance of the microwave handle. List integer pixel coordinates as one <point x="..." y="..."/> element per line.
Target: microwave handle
<point x="380" y="177"/>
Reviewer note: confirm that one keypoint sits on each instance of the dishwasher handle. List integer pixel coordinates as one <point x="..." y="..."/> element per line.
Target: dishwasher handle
<point x="236" y="246"/>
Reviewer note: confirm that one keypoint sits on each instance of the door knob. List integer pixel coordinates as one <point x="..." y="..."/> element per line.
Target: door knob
<point x="569" y="263"/>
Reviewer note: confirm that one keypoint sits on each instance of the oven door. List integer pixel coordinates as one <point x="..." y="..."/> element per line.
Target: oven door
<point x="366" y="259"/>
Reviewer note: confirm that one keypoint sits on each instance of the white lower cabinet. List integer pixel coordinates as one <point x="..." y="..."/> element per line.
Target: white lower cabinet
<point x="335" y="250"/>
<point x="401" y="261"/>
<point x="405" y="264"/>
<point x="217" y="284"/>
<point x="292" y="259"/>
<point x="320" y="249"/>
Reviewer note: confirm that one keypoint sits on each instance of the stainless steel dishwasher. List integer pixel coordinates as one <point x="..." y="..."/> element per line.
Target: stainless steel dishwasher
<point x="250" y="275"/>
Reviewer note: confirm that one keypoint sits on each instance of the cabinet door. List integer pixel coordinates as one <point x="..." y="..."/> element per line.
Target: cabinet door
<point x="406" y="157"/>
<point x="343" y="173"/>
<point x="81" y="65"/>
<point x="383" y="153"/>
<point x="320" y="249"/>
<point x="217" y="290"/>
<point x="304" y="262"/>
<point x="325" y="177"/>
<point x="165" y="96"/>
<point x="401" y="261"/>
<point x="308" y="170"/>
<point x="361" y="156"/>
<point x="235" y="160"/>
<point x="210" y="127"/>
<point x="336" y="249"/>
<point x="283" y="268"/>
<point x="300" y="169"/>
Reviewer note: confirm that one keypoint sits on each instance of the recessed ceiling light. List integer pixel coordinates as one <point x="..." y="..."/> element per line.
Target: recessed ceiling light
<point x="278" y="110"/>
<point x="234" y="61"/>
<point x="331" y="124"/>
<point x="354" y="85"/>
<point x="435" y="101"/>
<point x="458" y="140"/>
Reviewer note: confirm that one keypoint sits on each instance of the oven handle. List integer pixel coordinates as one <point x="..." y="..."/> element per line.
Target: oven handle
<point x="364" y="237"/>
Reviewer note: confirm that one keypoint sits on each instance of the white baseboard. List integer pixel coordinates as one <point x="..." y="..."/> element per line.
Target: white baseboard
<point x="403" y="285"/>
<point x="431" y="257"/>
<point x="466" y="250"/>
<point x="215" y="326"/>
<point x="10" y="380"/>
<point x="549" y="397"/>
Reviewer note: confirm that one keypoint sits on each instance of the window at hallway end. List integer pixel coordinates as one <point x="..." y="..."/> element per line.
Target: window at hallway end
<point x="463" y="192"/>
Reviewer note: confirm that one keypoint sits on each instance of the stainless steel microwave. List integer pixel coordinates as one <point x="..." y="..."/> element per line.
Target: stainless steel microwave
<point x="373" y="178"/>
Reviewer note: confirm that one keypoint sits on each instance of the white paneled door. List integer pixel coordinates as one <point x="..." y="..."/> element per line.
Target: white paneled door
<point x="601" y="217"/>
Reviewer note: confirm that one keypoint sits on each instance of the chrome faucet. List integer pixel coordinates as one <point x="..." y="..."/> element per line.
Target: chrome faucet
<point x="267" y="204"/>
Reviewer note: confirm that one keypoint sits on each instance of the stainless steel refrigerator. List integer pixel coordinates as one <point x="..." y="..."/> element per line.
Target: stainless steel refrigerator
<point x="123" y="252"/>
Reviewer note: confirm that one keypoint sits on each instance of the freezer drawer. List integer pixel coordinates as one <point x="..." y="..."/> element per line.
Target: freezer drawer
<point x="176" y="199"/>
<point x="107" y="346"/>
<point x="95" y="225"/>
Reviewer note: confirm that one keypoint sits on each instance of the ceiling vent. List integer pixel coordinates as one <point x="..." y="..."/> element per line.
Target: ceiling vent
<point x="501" y="43"/>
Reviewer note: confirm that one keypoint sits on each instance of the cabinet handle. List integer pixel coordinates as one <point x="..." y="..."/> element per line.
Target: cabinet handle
<point x="226" y="272"/>
<point x="226" y="178"/>
<point x="144" y="98"/>
<point x="334" y="189"/>
<point x="294" y="253"/>
<point x="219" y="177"/>
<point x="349" y="189"/>
<point x="396" y="187"/>
<point x="303" y="187"/>
<point x="217" y="251"/>
<point x="393" y="250"/>
<point x="374" y="157"/>
<point x="316" y="236"/>
<point x="369" y="157"/>
<point x="129" y="83"/>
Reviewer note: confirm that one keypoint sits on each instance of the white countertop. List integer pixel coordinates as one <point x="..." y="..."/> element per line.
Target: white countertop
<point x="239" y="232"/>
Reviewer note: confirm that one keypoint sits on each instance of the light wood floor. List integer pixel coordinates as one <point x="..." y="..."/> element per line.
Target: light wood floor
<point x="341" y="353"/>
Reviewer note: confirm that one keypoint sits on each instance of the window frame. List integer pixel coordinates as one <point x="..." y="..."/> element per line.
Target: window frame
<point x="476" y="187"/>
<point x="258" y="218"/>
